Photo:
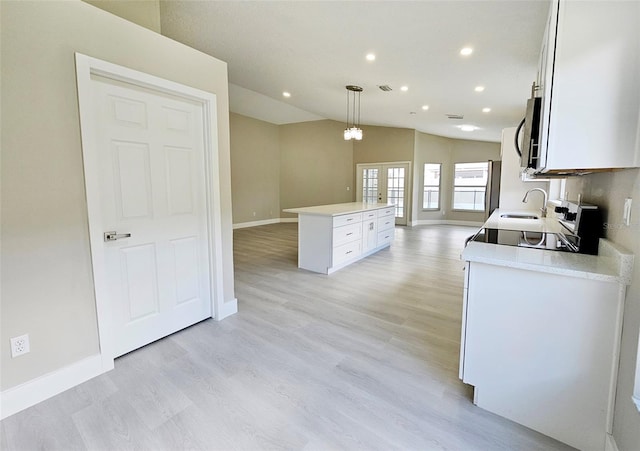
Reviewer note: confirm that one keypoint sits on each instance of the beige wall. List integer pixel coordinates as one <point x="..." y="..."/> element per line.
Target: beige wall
<point x="142" y="12"/>
<point x="316" y="165"/>
<point x="383" y="144"/>
<point x="255" y="169"/>
<point x="608" y="190"/>
<point x="447" y="151"/>
<point x="47" y="287"/>
<point x="432" y="149"/>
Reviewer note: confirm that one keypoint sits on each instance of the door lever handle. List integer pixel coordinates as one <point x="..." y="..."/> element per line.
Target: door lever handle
<point x="112" y="236"/>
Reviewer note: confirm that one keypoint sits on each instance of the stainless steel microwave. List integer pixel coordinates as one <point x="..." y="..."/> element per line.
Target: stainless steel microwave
<point x="530" y="150"/>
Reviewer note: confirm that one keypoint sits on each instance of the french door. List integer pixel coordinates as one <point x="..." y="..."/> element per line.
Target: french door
<point x="385" y="183"/>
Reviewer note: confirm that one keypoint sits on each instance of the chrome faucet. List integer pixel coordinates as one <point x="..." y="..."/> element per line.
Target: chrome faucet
<point x="543" y="210"/>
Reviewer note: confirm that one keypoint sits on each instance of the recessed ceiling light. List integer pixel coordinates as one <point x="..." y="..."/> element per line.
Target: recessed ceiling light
<point x="467" y="128"/>
<point x="286" y="94"/>
<point x="486" y="110"/>
<point x="404" y="88"/>
<point x="425" y="107"/>
<point x="479" y="88"/>
<point x="466" y="51"/>
<point x="370" y="57"/>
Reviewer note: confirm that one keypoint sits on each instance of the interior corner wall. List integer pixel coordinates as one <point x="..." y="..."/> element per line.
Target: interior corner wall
<point x="465" y="151"/>
<point x="47" y="287"/>
<point x="316" y="165"/>
<point x="433" y="149"/>
<point x="255" y="169"/>
<point x="448" y="151"/>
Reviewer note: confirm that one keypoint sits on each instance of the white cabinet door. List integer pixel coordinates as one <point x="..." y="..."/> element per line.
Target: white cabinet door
<point x="369" y="232"/>
<point x="591" y="105"/>
<point x="540" y="350"/>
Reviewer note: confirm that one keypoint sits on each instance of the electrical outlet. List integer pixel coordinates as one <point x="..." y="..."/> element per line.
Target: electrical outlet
<point x="20" y="345"/>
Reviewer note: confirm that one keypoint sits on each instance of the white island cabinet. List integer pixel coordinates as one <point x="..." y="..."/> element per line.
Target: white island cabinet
<point x="331" y="237"/>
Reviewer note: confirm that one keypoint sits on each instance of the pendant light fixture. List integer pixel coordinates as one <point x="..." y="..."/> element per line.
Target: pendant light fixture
<point x="353" y="130"/>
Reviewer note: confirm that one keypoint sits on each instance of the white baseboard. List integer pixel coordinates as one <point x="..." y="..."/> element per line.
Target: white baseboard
<point x="242" y="225"/>
<point x="44" y="387"/>
<point x="610" y="444"/>
<point x="447" y="222"/>
<point x="227" y="309"/>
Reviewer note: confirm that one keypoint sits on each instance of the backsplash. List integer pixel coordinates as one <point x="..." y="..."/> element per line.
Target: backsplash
<point x="608" y="190"/>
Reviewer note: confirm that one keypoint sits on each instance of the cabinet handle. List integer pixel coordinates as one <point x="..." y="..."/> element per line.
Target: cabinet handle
<point x="350" y="233"/>
<point x="348" y="252"/>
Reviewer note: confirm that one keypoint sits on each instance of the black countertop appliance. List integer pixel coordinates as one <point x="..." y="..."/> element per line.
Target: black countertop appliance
<point x="585" y="221"/>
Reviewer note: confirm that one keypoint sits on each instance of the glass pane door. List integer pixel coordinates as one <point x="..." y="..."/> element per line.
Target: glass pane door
<point x="385" y="183"/>
<point x="370" y="184"/>
<point x="396" y="189"/>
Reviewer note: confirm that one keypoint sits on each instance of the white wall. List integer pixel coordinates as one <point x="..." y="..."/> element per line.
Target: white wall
<point x="47" y="287"/>
<point x="512" y="188"/>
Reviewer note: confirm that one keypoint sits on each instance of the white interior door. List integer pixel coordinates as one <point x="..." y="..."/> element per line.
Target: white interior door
<point x="152" y="193"/>
<point x="385" y="183"/>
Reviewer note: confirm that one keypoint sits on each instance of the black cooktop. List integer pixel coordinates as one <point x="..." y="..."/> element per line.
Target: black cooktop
<point x="537" y="240"/>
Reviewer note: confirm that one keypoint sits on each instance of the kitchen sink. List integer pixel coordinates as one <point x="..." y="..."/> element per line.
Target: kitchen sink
<point x="519" y="216"/>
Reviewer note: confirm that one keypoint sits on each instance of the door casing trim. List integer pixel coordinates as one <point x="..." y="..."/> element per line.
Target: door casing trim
<point x="87" y="66"/>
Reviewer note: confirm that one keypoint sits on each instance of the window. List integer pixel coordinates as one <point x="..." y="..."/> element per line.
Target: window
<point x="431" y="189"/>
<point x="469" y="186"/>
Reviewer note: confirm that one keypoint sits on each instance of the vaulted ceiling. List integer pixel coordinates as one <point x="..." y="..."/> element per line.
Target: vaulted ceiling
<point x="313" y="49"/>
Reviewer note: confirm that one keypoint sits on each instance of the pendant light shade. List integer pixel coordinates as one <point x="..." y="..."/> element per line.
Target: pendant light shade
<point x="353" y="130"/>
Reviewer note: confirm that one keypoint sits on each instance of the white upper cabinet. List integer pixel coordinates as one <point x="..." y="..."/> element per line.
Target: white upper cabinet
<point x="589" y="81"/>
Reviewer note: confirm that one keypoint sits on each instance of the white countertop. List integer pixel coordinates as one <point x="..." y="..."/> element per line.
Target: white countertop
<point x="612" y="264"/>
<point x="337" y="209"/>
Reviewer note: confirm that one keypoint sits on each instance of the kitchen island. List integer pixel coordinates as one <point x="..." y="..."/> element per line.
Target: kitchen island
<point x="541" y="333"/>
<point x="331" y="237"/>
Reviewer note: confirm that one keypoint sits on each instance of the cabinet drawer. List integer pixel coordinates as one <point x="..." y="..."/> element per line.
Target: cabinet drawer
<point x="347" y="233"/>
<point x="368" y="215"/>
<point x="387" y="222"/>
<point x="389" y="211"/>
<point x="385" y="237"/>
<point x="346" y="252"/>
<point x="347" y="219"/>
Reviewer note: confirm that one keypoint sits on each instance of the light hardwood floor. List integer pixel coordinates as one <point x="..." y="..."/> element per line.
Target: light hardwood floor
<point x="366" y="358"/>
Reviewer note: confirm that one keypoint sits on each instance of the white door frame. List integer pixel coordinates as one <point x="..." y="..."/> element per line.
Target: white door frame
<point x="87" y="66"/>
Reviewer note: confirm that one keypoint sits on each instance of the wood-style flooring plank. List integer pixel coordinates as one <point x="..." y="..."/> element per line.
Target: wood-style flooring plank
<point x="366" y="358"/>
